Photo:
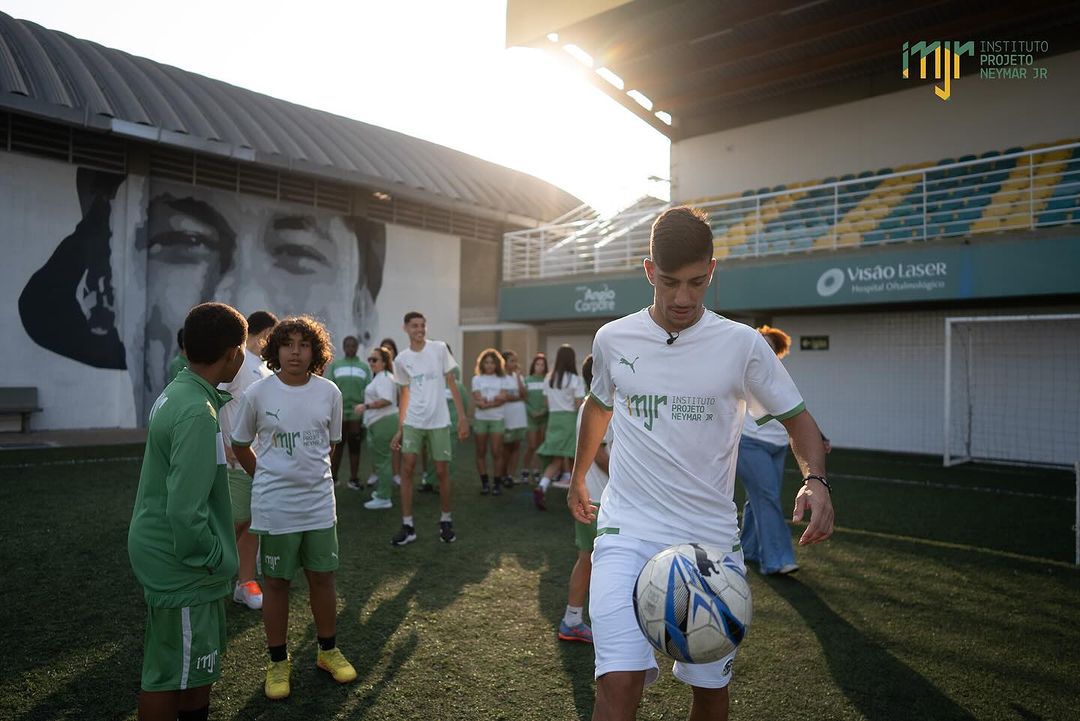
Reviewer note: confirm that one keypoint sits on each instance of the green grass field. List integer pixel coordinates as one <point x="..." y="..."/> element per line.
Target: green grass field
<point x="945" y="594"/>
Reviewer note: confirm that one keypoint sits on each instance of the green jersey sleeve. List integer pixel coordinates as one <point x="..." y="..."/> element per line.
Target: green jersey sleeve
<point x="193" y="465"/>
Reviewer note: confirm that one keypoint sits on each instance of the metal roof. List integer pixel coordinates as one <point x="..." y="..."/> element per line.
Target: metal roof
<point x="51" y="74"/>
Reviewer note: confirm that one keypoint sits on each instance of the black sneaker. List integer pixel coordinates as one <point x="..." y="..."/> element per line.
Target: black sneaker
<point x="427" y="488"/>
<point x="446" y="532"/>
<point x="484" y="488"/>
<point x="508" y="481"/>
<point x="497" y="490"/>
<point x="354" y="484"/>
<point x="407" y="534"/>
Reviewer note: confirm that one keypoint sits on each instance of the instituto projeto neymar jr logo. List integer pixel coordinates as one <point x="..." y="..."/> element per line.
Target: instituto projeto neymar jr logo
<point x="645" y="406"/>
<point x="947" y="54"/>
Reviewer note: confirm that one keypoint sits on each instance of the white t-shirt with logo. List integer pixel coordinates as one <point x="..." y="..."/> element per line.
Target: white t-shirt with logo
<point x="381" y="388"/>
<point x="424" y="372"/>
<point x="563" y="399"/>
<point x="595" y="478"/>
<point x="293" y="489"/>
<point x="489" y="387"/>
<point x="514" y="412"/>
<point x="253" y="369"/>
<point x="677" y="415"/>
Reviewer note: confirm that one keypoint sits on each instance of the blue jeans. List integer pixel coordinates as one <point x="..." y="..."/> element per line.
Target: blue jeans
<point x="765" y="535"/>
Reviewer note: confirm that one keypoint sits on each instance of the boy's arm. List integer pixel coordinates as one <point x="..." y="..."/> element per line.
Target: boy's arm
<point x="403" y="408"/>
<point x="462" y="421"/>
<point x="192" y="470"/>
<point x="246" y="458"/>
<point x="594" y="423"/>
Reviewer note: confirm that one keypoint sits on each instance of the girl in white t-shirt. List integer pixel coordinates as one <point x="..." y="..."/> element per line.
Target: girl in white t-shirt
<point x="514" y="416"/>
<point x="380" y="413"/>
<point x="488" y="423"/>
<point x="294" y="416"/>
<point x="565" y="391"/>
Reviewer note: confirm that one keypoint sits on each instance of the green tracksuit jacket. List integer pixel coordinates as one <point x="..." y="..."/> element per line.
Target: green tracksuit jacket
<point x="181" y="540"/>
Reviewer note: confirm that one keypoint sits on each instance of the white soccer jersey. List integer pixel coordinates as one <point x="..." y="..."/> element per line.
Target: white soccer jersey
<point x="595" y="478"/>
<point x="424" y="372"/>
<point x="293" y="488"/>
<point x="563" y="398"/>
<point x="677" y="415"/>
<point x="253" y="369"/>
<point x="514" y="411"/>
<point x="772" y="432"/>
<point x="489" y="387"/>
<point x="381" y="388"/>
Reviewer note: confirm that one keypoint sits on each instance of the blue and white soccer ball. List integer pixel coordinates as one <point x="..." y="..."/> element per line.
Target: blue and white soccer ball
<point x="693" y="603"/>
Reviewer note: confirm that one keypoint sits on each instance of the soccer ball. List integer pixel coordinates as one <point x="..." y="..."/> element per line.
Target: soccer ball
<point x="693" y="603"/>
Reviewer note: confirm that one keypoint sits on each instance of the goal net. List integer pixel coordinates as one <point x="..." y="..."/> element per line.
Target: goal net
<point x="1012" y="389"/>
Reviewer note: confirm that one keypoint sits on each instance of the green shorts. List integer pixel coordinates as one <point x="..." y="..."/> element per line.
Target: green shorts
<point x="438" y="440"/>
<point x="286" y="553"/>
<point x="584" y="535"/>
<point x="513" y="435"/>
<point x="537" y="424"/>
<point x="560" y="439"/>
<point x="183" y="647"/>
<point x="482" y="428"/>
<point x="240" y="490"/>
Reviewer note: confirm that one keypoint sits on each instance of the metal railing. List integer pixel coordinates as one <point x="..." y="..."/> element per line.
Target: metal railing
<point x="1023" y="190"/>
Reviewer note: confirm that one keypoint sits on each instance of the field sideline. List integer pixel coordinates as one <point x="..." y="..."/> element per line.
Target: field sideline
<point x="945" y="594"/>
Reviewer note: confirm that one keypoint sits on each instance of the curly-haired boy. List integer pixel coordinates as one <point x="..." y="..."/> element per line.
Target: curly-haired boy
<point x="293" y="418"/>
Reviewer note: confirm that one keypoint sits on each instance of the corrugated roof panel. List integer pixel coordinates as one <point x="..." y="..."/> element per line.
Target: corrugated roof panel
<point x="56" y="73"/>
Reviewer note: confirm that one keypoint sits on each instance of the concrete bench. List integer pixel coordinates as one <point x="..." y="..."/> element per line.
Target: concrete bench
<point x="16" y="405"/>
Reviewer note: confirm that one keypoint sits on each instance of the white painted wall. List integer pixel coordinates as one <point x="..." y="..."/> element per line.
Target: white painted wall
<point x="880" y="385"/>
<point x="885" y="131"/>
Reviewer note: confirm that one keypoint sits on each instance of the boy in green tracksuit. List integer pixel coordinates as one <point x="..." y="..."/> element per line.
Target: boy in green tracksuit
<point x="181" y="541"/>
<point x="351" y="375"/>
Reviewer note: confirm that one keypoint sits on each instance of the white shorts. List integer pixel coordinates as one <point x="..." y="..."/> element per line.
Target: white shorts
<point x="618" y="643"/>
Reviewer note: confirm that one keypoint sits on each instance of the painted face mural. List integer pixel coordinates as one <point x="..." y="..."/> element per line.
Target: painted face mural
<point x="254" y="254"/>
<point x="194" y="245"/>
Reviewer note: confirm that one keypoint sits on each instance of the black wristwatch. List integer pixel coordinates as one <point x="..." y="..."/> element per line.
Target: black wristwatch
<point x="822" y="480"/>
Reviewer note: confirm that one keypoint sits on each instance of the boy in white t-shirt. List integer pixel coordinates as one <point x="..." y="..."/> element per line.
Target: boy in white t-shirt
<point x="294" y="420"/>
<point x="675" y="381"/>
<point x="423" y="372"/>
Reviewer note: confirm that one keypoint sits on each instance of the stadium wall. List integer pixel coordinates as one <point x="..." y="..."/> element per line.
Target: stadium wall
<point x="880" y="385"/>
<point x="101" y="269"/>
<point x="885" y="131"/>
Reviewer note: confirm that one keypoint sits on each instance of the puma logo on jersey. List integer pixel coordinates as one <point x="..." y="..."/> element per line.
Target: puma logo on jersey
<point x="274" y="415"/>
<point x="207" y="662"/>
<point x="624" y="362"/>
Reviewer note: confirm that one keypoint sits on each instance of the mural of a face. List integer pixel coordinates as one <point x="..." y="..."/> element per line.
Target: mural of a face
<point x="253" y="254"/>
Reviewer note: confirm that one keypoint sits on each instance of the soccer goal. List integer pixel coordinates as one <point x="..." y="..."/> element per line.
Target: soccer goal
<point x="1012" y="392"/>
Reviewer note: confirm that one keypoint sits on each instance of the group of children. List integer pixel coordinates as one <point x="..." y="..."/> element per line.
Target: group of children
<point x="240" y="462"/>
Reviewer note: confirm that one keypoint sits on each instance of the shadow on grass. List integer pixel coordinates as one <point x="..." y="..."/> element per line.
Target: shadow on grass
<point x="880" y="686"/>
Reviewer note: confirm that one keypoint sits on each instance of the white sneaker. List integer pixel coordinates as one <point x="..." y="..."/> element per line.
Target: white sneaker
<point x="787" y="570"/>
<point x="372" y="479"/>
<point x="397" y="480"/>
<point x="376" y="503"/>
<point x="249" y="594"/>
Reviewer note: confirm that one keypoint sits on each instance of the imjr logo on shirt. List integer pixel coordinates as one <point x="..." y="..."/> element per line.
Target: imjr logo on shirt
<point x="645" y="406"/>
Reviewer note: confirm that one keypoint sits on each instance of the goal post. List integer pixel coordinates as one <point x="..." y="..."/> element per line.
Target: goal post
<point x="1012" y="389"/>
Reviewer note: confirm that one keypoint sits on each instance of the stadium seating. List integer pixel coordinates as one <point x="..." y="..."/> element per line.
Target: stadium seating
<point x="967" y="195"/>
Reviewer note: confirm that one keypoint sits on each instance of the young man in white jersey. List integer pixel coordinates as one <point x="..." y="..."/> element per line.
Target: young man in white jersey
<point x="423" y="371"/>
<point x="676" y="380"/>
<point x="247" y="590"/>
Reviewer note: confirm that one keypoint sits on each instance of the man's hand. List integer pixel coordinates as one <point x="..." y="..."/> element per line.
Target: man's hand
<point x="359" y="409"/>
<point x="395" y="442"/>
<point x="462" y="429"/>
<point x="577" y="498"/>
<point x="816" y="499"/>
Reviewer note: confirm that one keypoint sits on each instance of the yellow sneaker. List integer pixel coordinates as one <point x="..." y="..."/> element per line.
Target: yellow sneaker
<point x="277" y="679"/>
<point x="335" y="664"/>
